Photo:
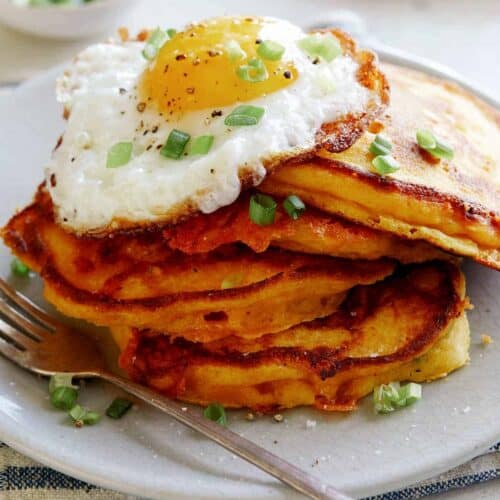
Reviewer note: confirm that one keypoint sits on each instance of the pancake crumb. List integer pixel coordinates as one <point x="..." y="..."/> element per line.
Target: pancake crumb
<point x="486" y="339"/>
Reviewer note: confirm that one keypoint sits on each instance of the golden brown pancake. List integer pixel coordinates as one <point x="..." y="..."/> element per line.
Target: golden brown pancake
<point x="454" y="205"/>
<point x="137" y="280"/>
<point x="315" y="232"/>
<point x="412" y="326"/>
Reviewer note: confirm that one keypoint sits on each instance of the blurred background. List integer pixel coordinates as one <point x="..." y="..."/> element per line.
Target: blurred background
<point x="463" y="34"/>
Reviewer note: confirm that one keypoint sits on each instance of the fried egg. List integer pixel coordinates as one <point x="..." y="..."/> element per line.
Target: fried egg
<point x="120" y="92"/>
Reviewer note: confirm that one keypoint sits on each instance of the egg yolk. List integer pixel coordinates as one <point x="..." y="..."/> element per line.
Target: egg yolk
<point x="194" y="69"/>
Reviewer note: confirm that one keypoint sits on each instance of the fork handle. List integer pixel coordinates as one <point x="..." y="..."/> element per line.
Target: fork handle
<point x="286" y="472"/>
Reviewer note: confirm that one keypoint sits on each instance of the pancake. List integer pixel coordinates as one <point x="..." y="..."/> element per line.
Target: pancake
<point x="412" y="326"/>
<point x="454" y="205"/>
<point x="314" y="232"/>
<point x="138" y="281"/>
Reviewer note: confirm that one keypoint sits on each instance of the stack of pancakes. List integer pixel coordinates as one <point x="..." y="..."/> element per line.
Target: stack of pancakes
<point x="363" y="289"/>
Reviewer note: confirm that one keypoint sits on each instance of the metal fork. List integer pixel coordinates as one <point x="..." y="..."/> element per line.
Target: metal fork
<point x="43" y="345"/>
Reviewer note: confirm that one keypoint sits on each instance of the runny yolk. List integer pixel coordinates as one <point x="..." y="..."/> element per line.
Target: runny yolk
<point x="193" y="70"/>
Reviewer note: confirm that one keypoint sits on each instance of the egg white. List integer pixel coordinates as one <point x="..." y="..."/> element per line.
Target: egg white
<point x="100" y="92"/>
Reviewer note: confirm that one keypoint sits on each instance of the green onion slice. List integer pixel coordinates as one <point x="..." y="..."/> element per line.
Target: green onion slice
<point x="442" y="151"/>
<point x="325" y="46"/>
<point x="19" y="268"/>
<point x="171" y="32"/>
<point x="383" y="141"/>
<point x="380" y="146"/>
<point x="262" y="210"/>
<point x="234" y="51"/>
<point x="384" y="396"/>
<point x="411" y="393"/>
<point x="155" y="43"/>
<point x="91" y="418"/>
<point x="119" y="154"/>
<point x="118" y="408"/>
<point x="201" y="145"/>
<point x="428" y="141"/>
<point x="389" y="397"/>
<point x="64" y="397"/>
<point x="244" y="115"/>
<point x="385" y="164"/>
<point x="216" y="413"/>
<point x="175" y="145"/>
<point x="82" y="416"/>
<point x="378" y="150"/>
<point x="255" y="71"/>
<point x="294" y="206"/>
<point x="272" y="51"/>
<point x="61" y="380"/>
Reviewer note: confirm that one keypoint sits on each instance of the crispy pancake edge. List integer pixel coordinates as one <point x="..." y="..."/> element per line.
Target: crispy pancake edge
<point x="323" y="363"/>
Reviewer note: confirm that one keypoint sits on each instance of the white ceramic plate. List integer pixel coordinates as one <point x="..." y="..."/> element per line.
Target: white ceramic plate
<point x="148" y="454"/>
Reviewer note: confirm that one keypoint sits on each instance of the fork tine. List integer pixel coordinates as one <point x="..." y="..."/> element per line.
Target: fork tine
<point x="28" y="306"/>
<point x="10" y="351"/>
<point x="18" y="337"/>
<point x="23" y="322"/>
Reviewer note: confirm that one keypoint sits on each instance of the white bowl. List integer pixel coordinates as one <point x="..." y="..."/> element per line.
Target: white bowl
<point x="65" y="22"/>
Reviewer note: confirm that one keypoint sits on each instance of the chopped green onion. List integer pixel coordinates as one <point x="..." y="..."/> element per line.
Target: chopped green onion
<point x="63" y="394"/>
<point x="119" y="154"/>
<point x="61" y="380"/>
<point x="201" y="145"/>
<point x="442" y="151"/>
<point x="171" y="32"/>
<point x="77" y="412"/>
<point x="91" y="418"/>
<point x="325" y="46"/>
<point x="272" y="51"/>
<point x="216" y="412"/>
<point x="380" y="146"/>
<point x="410" y="393"/>
<point x="383" y="141"/>
<point x="244" y="115"/>
<point x="118" y="408"/>
<point x="19" y="268"/>
<point x="378" y="150"/>
<point x="294" y="206"/>
<point x="389" y="397"/>
<point x="231" y="281"/>
<point x="234" y="51"/>
<point x="175" y="145"/>
<point x="385" y="164"/>
<point x="262" y="210"/>
<point x="255" y="71"/>
<point x="428" y="141"/>
<point x="155" y="43"/>
<point x="385" y="396"/>
<point x="64" y="397"/>
<point x="82" y="416"/>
